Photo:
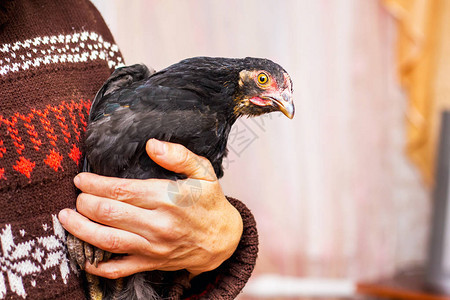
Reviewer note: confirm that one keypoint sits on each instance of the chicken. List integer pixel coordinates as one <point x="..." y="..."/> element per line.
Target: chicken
<point x="194" y="103"/>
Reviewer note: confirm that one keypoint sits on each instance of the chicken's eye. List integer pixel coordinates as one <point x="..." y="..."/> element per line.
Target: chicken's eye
<point x="263" y="78"/>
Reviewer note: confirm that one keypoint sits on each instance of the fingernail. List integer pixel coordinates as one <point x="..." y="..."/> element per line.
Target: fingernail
<point x="62" y="216"/>
<point x="76" y="181"/>
<point x="158" y="147"/>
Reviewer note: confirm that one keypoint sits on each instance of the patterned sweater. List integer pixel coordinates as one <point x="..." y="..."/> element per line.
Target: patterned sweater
<point x="54" y="56"/>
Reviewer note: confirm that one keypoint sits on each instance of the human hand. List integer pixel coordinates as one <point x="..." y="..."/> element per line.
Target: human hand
<point x="160" y="224"/>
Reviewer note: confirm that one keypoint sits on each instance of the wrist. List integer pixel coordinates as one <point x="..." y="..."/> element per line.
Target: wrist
<point x="236" y="228"/>
<point x="227" y="238"/>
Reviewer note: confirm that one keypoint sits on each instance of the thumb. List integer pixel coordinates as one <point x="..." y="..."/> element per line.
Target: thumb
<point x="177" y="158"/>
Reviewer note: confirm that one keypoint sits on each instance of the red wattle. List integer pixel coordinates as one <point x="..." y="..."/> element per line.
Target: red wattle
<point x="260" y="102"/>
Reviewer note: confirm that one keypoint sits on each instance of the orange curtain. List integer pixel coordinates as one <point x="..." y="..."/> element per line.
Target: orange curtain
<point x="423" y="68"/>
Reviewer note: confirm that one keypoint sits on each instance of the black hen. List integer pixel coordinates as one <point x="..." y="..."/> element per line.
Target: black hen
<point x="194" y="102"/>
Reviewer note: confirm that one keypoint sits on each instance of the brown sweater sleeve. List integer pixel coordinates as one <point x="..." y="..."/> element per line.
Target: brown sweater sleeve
<point x="54" y="56"/>
<point x="227" y="281"/>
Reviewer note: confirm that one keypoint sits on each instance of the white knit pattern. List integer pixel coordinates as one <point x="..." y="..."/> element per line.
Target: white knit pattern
<point x="71" y="48"/>
<point x="19" y="261"/>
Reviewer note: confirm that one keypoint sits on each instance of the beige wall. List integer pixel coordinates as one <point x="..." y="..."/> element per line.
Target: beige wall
<point x="332" y="190"/>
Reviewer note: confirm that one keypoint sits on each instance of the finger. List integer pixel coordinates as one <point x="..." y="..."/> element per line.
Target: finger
<point x="179" y="159"/>
<point x="133" y="191"/>
<point x="117" y="214"/>
<point x="121" y="266"/>
<point x="106" y="238"/>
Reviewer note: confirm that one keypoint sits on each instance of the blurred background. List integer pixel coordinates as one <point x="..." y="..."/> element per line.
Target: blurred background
<point x="342" y="191"/>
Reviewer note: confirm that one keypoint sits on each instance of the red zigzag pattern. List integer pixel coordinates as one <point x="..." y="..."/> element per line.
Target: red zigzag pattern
<point x="46" y="128"/>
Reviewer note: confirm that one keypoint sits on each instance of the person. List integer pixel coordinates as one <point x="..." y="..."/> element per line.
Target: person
<point x="54" y="56"/>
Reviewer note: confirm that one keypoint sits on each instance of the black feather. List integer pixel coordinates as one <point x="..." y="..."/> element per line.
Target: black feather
<point x="191" y="103"/>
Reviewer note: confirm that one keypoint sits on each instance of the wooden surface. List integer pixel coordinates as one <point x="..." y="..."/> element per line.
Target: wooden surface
<point x="408" y="285"/>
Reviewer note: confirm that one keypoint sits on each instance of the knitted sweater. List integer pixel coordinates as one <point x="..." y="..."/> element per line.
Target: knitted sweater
<point x="54" y="56"/>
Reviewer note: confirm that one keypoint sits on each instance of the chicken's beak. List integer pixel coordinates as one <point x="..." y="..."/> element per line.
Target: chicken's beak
<point x="284" y="103"/>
